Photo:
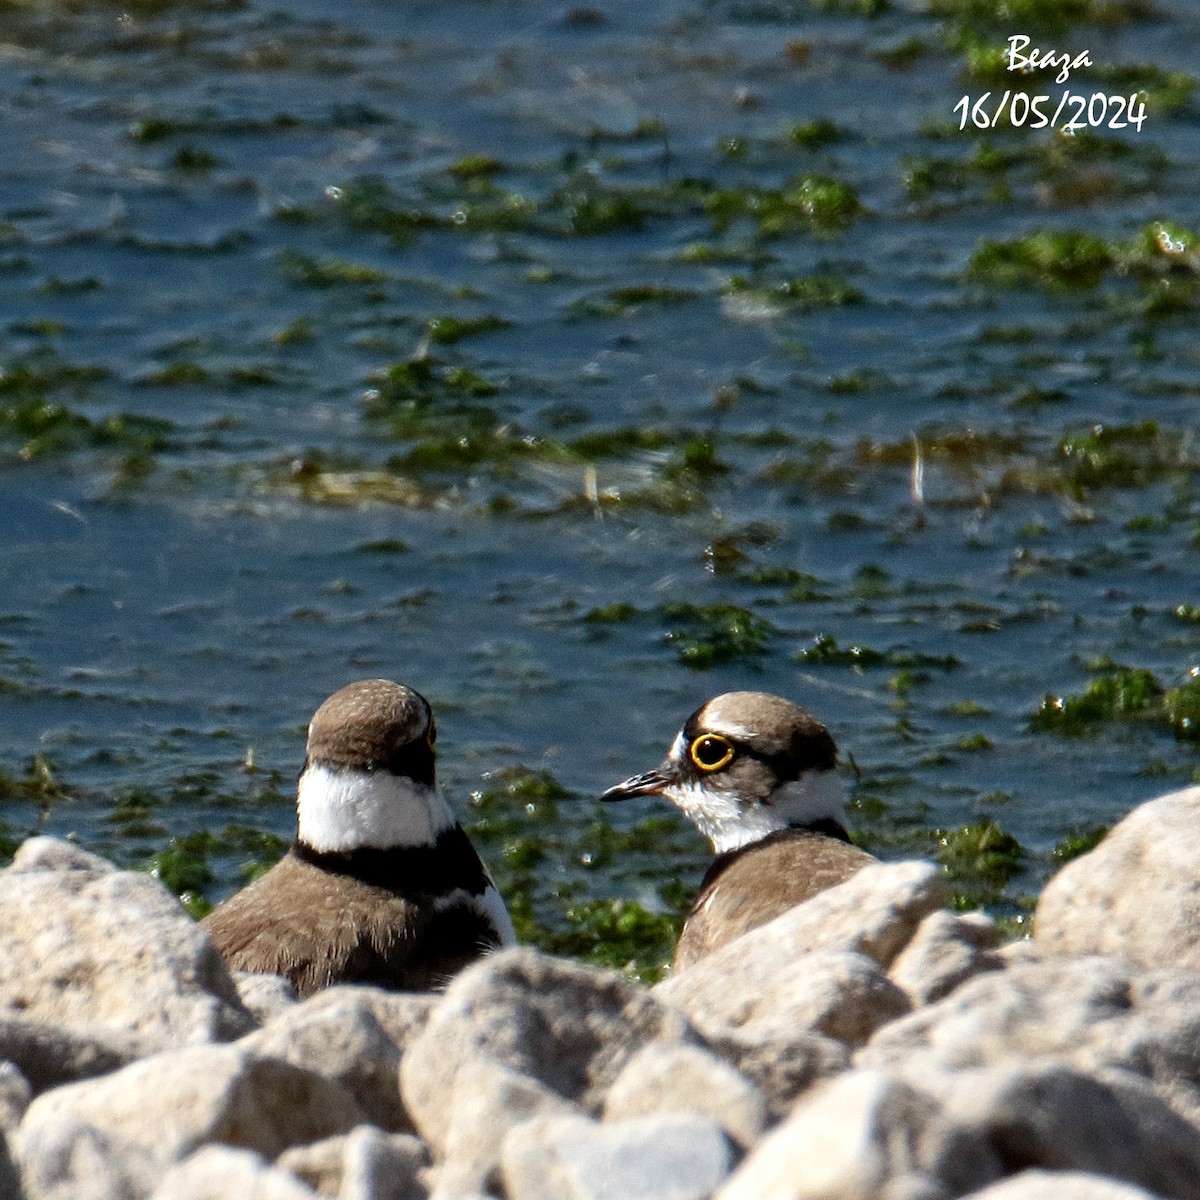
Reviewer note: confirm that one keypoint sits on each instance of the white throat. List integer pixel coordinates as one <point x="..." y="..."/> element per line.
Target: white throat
<point x="730" y="824"/>
<point x="353" y="810"/>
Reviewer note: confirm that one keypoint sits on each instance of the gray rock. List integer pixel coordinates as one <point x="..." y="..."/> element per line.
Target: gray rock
<point x="681" y="1078"/>
<point x="71" y="1160"/>
<point x="762" y="986"/>
<point x="339" y="1033"/>
<point x="1057" y="1117"/>
<point x="945" y="952"/>
<point x="666" y="1157"/>
<point x="783" y="1065"/>
<point x="1060" y="1185"/>
<point x="866" y="1135"/>
<point x="1099" y="1013"/>
<point x="364" y="1164"/>
<point x="49" y="1055"/>
<point x="85" y="945"/>
<point x="1136" y="894"/>
<point x="264" y="996"/>
<point x="15" y="1095"/>
<point x="169" y="1105"/>
<point x="488" y="1100"/>
<point x="569" y="1027"/>
<point x="219" y="1173"/>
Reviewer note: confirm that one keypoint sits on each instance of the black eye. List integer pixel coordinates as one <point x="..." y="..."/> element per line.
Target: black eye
<point x="711" y="752"/>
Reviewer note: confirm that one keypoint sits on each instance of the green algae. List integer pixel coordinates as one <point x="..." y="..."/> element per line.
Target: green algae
<point x="1116" y="694"/>
<point x="707" y="635"/>
<point x="979" y="859"/>
<point x="447" y="330"/>
<point x="802" y="292"/>
<point x="305" y="270"/>
<point x="1077" y="842"/>
<point x="1064" y="259"/>
<point x="814" y="203"/>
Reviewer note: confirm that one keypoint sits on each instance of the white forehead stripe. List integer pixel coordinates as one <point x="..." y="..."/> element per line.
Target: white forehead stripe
<point x="351" y="810"/>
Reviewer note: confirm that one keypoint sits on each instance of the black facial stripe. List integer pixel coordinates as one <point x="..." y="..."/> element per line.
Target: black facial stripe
<point x="813" y="749"/>
<point x="413" y="872"/>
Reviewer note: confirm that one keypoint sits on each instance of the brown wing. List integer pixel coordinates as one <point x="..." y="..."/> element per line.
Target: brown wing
<point x="318" y="927"/>
<point x="761" y="882"/>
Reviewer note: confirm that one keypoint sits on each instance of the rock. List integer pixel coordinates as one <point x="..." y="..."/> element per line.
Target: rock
<point x="666" y="1157"/>
<point x="219" y="1173"/>
<point x="85" y="945"/>
<point x="783" y="1065"/>
<point x="945" y="952"/>
<point x="169" y="1105"/>
<point x="363" y="1164"/>
<point x="762" y="986"/>
<point x="681" y="1078"/>
<point x="53" y="854"/>
<point x="866" y="1135"/>
<point x="1060" y="1185"/>
<point x="71" y="1160"/>
<point x="338" y="1034"/>
<point x="264" y="996"/>
<point x="1055" y="1116"/>
<point x="15" y="1095"/>
<point x="1098" y="1013"/>
<point x="50" y="1055"/>
<point x="1137" y="894"/>
<point x="569" y="1027"/>
<point x="875" y="912"/>
<point x="488" y="1100"/>
<point x="10" y="1180"/>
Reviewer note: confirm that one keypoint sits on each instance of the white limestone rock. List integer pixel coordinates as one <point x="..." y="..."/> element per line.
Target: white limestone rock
<point x="665" y="1157"/>
<point x="1056" y="1116"/>
<point x="265" y="997"/>
<point x="72" y="1160"/>
<point x="1060" y="1185"/>
<point x="221" y="1173"/>
<point x="167" y="1106"/>
<point x="364" y="1164"/>
<point x="866" y="1135"/>
<point x="353" y="1035"/>
<point x="488" y="1100"/>
<point x="682" y="1078"/>
<point x="783" y="1064"/>
<point x="1098" y="1013"/>
<point x="761" y="987"/>
<point x="569" y="1027"/>
<point x="944" y="953"/>
<point x="875" y="912"/>
<point x="87" y="946"/>
<point x="49" y="1055"/>
<point x="15" y="1095"/>
<point x="1137" y="894"/>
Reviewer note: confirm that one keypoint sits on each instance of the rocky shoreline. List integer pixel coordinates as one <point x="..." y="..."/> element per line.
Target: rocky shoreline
<point x="868" y="1044"/>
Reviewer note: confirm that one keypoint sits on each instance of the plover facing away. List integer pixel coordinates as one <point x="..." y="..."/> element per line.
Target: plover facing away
<point x="756" y="775"/>
<point x="381" y="885"/>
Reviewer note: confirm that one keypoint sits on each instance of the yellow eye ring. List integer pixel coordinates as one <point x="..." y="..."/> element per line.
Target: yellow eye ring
<point x="711" y="751"/>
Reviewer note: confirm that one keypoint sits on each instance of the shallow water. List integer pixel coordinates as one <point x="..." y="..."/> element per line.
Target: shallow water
<point x="222" y="225"/>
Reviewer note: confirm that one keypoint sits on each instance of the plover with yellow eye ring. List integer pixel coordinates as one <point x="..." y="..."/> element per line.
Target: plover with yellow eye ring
<point x="756" y="775"/>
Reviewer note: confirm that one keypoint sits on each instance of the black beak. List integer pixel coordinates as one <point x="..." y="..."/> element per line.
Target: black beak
<point x="651" y="783"/>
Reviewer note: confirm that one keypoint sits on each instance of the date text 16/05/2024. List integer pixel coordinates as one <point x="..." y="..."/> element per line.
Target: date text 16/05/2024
<point x="1071" y="113"/>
